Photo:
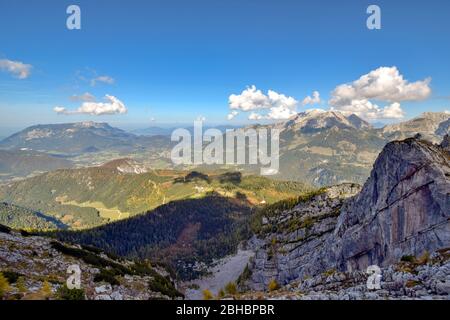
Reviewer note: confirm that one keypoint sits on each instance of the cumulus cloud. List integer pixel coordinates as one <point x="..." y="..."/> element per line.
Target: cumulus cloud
<point x="281" y="113"/>
<point x="249" y="99"/>
<point x="18" y="69"/>
<point x="60" y="110"/>
<point x="255" y="116"/>
<point x="112" y="106"/>
<point x="85" y="97"/>
<point x="232" y="114"/>
<point x="312" y="100"/>
<point x="102" y="79"/>
<point x="370" y="111"/>
<point x="384" y="84"/>
<point x="279" y="105"/>
<point x="393" y="111"/>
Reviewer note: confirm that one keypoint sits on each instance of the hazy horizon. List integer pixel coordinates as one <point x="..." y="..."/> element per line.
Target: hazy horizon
<point x="155" y="65"/>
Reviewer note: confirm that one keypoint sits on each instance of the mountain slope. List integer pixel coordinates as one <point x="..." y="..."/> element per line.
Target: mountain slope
<point x="315" y="120"/>
<point x="22" y="218"/>
<point x="122" y="188"/>
<point x="402" y="210"/>
<point x="431" y="125"/>
<point x="69" y="138"/>
<point x="41" y="261"/>
<point x="326" y="148"/>
<point x="185" y="234"/>
<point x="25" y="162"/>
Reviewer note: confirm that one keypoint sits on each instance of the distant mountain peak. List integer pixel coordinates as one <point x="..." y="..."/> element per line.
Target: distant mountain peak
<point x="317" y="119"/>
<point x="85" y="136"/>
<point x="91" y="124"/>
<point x="432" y="125"/>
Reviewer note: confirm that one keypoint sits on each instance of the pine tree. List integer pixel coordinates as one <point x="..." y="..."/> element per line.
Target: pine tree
<point x="4" y="286"/>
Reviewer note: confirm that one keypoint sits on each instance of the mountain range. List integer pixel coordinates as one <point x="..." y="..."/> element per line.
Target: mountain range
<point x="316" y="245"/>
<point x="326" y="148"/>
<point x="69" y="138"/>
<point x="433" y="126"/>
<point x="317" y="147"/>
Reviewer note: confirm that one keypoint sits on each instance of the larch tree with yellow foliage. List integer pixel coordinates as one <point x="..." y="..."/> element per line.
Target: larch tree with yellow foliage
<point x="46" y="290"/>
<point x="207" y="295"/>
<point x="4" y="286"/>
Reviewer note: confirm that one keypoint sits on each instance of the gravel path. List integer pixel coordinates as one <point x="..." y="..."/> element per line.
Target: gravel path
<point x="227" y="270"/>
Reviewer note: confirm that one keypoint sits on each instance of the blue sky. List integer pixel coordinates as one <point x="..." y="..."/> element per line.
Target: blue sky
<point x="176" y="60"/>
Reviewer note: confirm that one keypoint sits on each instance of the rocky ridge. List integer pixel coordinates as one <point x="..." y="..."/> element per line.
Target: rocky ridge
<point x="427" y="278"/>
<point x="402" y="210"/>
<point x="432" y="125"/>
<point x="40" y="260"/>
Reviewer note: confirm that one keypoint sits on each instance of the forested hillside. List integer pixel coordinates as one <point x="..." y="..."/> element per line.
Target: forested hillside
<point x="90" y="197"/>
<point x="186" y="234"/>
<point x="22" y="218"/>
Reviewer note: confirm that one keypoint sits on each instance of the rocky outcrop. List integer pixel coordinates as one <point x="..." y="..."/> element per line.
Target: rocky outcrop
<point x="402" y="210"/>
<point x="444" y="128"/>
<point x="41" y="261"/>
<point x="427" y="278"/>
<point x="446" y="143"/>
<point x="291" y="237"/>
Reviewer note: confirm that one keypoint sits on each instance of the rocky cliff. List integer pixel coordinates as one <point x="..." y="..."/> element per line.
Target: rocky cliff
<point x="292" y="234"/>
<point x="402" y="210"/>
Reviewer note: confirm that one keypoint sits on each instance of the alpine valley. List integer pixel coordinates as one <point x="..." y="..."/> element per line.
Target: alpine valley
<point x="347" y="196"/>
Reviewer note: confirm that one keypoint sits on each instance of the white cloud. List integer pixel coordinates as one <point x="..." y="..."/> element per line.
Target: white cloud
<point x="85" y="97"/>
<point x="384" y="84"/>
<point x="393" y="111"/>
<point x="249" y="99"/>
<point x="315" y="99"/>
<point x="103" y="79"/>
<point x="18" y="69"/>
<point x="255" y="116"/>
<point x="281" y="113"/>
<point x="232" y="114"/>
<point x="280" y="106"/>
<point x="60" y="110"/>
<point x="370" y="111"/>
<point x="112" y="106"/>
